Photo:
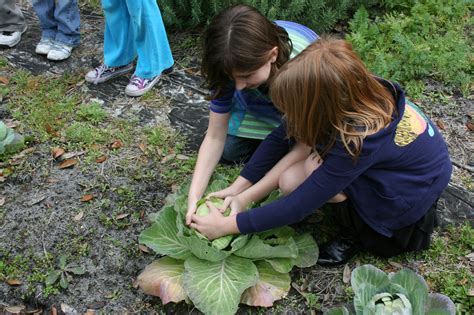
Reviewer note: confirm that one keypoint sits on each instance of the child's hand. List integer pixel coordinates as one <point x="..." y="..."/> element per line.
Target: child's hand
<point x="235" y="203"/>
<point x="214" y="225"/>
<point x="224" y="193"/>
<point x="191" y="208"/>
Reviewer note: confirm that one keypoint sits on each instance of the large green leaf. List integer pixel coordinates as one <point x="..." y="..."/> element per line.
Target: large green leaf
<point x="439" y="304"/>
<point x="164" y="278"/>
<point x="256" y="249"/>
<point x="216" y="185"/>
<point x="308" y="251"/>
<point x="364" y="295"/>
<point x="370" y="275"/>
<point x="282" y="265"/>
<point x="415" y="288"/>
<point x="271" y="286"/>
<point x="163" y="236"/>
<point x="203" y="249"/>
<point x="216" y="287"/>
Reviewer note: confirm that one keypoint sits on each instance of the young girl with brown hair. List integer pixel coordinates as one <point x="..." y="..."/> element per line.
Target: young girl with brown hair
<point x="242" y="51"/>
<point x="377" y="152"/>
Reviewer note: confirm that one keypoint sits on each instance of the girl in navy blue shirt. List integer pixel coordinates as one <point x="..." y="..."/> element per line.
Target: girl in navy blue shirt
<point x="371" y="148"/>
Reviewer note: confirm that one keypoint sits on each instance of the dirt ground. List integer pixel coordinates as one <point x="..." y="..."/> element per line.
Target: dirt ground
<point x="42" y="202"/>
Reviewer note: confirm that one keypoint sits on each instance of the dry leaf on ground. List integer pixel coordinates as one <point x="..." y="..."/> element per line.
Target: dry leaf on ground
<point x="143" y="248"/>
<point x="346" y="274"/>
<point x="101" y="159"/>
<point x="142" y="147"/>
<point x="2" y="201"/>
<point x="13" y="282"/>
<point x="68" y="163"/>
<point x="57" y="152"/>
<point x="116" y="144"/>
<point x="121" y="216"/>
<point x="79" y="216"/>
<point x="87" y="198"/>
<point x="4" y="80"/>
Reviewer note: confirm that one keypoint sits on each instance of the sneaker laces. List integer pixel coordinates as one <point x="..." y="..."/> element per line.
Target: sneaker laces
<point x="99" y="71"/>
<point x="139" y="82"/>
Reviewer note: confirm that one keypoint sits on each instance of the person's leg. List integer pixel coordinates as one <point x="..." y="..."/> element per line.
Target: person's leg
<point x="12" y="23"/>
<point x="238" y="150"/>
<point x="66" y="15"/>
<point x="154" y="52"/>
<point x="297" y="174"/>
<point x="45" y="11"/>
<point x="11" y="17"/>
<point x="119" y="44"/>
<point x="119" y="37"/>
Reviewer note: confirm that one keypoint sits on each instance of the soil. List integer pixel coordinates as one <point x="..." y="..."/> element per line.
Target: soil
<point x="43" y="202"/>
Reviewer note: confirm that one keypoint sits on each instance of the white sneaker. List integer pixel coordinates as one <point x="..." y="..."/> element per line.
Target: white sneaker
<point x="59" y="51"/>
<point x="103" y="73"/>
<point x="44" y="46"/>
<point x="9" y="39"/>
<point x="139" y="86"/>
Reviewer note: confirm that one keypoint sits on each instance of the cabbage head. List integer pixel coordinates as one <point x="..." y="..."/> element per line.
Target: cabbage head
<point x="390" y="304"/>
<point x="202" y="210"/>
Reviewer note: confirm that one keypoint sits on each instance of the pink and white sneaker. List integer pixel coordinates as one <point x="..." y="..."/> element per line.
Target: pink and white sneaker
<point x="139" y="86"/>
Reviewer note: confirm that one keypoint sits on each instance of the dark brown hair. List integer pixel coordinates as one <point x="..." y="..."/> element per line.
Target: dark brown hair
<point x="326" y="91"/>
<point x="240" y="39"/>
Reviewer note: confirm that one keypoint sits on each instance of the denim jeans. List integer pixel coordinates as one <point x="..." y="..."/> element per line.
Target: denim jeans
<point x="238" y="150"/>
<point x="135" y="27"/>
<point x="60" y="20"/>
<point x="11" y="18"/>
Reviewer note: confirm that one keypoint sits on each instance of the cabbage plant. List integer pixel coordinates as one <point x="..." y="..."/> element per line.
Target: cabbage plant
<point x="250" y="269"/>
<point x="400" y="293"/>
<point x="9" y="140"/>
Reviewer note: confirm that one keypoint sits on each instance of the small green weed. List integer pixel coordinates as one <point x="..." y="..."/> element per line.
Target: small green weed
<point x="64" y="273"/>
<point x="93" y="113"/>
<point x="85" y="134"/>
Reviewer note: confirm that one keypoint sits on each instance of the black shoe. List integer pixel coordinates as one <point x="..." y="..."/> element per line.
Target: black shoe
<point x="338" y="252"/>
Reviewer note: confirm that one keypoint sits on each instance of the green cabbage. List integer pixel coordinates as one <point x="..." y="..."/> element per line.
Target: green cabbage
<point x="203" y="210"/>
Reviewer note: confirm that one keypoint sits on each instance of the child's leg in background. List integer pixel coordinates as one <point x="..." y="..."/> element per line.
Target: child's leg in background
<point x="238" y="149"/>
<point x="119" y="36"/>
<point x="11" y="18"/>
<point x="66" y="15"/>
<point x="45" y="11"/>
<point x="154" y="52"/>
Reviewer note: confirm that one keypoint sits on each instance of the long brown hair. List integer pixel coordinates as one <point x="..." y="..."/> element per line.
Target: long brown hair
<point x="240" y="39"/>
<point x="326" y="91"/>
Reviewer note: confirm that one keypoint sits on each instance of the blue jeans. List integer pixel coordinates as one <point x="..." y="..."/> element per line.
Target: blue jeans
<point x="60" y="20"/>
<point x="135" y="27"/>
<point x="238" y="149"/>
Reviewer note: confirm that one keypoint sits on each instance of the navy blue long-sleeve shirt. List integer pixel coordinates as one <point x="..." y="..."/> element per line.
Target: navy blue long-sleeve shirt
<point x="401" y="171"/>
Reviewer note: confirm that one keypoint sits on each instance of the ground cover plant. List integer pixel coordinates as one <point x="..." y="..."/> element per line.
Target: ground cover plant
<point x="417" y="40"/>
<point x="218" y="275"/>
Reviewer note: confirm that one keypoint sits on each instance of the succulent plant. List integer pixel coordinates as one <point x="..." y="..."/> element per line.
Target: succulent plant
<point x="9" y="140"/>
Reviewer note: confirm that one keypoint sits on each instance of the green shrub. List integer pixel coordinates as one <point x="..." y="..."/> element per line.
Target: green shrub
<point x="319" y="15"/>
<point x="418" y="40"/>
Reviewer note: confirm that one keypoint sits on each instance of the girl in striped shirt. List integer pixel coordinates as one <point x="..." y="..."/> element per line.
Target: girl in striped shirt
<point x="242" y="51"/>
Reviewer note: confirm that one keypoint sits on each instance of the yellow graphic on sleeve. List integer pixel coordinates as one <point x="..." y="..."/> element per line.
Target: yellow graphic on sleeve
<point x="410" y="126"/>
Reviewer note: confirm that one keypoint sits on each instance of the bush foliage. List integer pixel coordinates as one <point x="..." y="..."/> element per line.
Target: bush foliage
<point x="417" y="40"/>
<point x="319" y="15"/>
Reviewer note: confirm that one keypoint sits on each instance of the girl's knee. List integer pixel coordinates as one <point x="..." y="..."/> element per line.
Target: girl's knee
<point x="291" y="178"/>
